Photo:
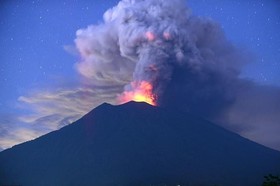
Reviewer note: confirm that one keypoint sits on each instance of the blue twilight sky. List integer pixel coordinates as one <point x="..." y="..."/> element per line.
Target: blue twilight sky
<point x="37" y="39"/>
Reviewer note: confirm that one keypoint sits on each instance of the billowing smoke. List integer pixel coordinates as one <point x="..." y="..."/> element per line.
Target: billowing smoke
<point x="157" y="52"/>
<point x="184" y="61"/>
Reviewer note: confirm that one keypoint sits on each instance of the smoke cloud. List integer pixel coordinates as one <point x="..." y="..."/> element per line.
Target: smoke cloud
<point x="186" y="62"/>
<point x="186" y="59"/>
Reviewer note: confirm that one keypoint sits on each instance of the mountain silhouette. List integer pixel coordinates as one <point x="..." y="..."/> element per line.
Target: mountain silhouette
<point x="138" y="144"/>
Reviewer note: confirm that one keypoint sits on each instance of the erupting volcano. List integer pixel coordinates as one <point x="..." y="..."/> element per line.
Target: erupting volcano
<point x="190" y="76"/>
<point x="141" y="92"/>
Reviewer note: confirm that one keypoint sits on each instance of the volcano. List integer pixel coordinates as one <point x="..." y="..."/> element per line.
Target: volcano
<point x="138" y="144"/>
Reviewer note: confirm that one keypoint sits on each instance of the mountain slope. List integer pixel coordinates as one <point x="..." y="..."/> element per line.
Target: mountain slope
<point x="137" y="144"/>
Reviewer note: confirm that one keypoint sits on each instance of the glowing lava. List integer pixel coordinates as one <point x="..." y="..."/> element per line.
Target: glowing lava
<point x="141" y="92"/>
<point x="150" y="36"/>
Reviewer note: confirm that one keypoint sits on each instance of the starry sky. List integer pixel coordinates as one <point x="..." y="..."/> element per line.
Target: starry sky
<point x="38" y="54"/>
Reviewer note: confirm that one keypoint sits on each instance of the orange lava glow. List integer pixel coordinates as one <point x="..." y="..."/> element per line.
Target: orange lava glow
<point x="150" y="36"/>
<point x="142" y="92"/>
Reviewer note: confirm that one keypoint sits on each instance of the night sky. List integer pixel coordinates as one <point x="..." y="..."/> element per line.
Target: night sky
<point x="38" y="53"/>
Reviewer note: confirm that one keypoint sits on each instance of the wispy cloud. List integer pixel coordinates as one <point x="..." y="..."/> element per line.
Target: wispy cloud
<point x="51" y="110"/>
<point x="12" y="131"/>
<point x="63" y="106"/>
<point x="18" y="135"/>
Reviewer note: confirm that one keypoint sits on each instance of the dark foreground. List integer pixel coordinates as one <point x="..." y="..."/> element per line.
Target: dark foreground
<point x="137" y="144"/>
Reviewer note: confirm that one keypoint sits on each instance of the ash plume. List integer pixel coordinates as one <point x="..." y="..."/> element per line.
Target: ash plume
<point x="187" y="59"/>
<point x="158" y="52"/>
